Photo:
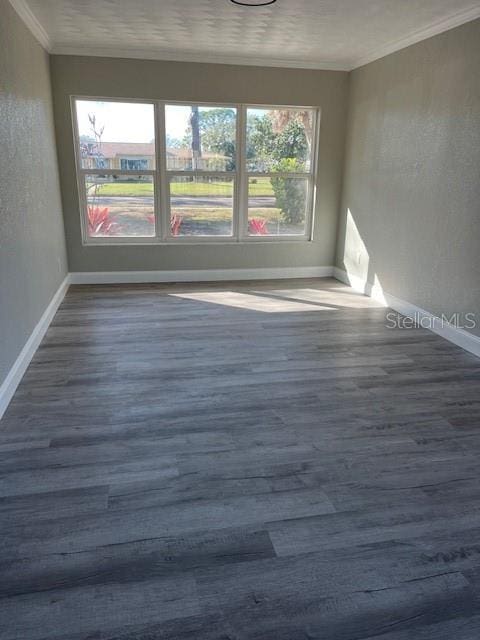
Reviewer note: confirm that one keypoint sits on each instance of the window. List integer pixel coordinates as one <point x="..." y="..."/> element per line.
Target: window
<point x="120" y="206"/>
<point x="201" y="158"/>
<point x="133" y="164"/>
<point x="162" y="172"/>
<point x="118" y="194"/>
<point x="279" y="162"/>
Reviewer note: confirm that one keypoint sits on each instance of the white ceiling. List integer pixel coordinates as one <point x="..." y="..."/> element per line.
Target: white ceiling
<point x="328" y="34"/>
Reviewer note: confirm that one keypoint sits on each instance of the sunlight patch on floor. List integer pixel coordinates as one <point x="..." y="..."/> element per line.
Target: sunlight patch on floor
<point x="343" y="297"/>
<point x="264" y="301"/>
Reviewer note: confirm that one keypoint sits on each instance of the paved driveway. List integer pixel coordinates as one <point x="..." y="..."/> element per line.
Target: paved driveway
<point x="263" y="202"/>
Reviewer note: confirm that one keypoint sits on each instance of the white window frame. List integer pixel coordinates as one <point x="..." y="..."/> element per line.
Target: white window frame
<point x="161" y="179"/>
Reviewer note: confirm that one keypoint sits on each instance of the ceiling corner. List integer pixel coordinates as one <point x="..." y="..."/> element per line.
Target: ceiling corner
<point x="31" y="21"/>
<point x="455" y="20"/>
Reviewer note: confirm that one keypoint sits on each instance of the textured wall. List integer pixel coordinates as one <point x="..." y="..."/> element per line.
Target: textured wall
<point x="411" y="200"/>
<point x="32" y="247"/>
<point x="203" y="82"/>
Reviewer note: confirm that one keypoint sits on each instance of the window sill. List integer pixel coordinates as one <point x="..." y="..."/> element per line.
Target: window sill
<point x="193" y="242"/>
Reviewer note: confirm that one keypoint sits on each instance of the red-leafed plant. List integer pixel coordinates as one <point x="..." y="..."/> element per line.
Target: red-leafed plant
<point x="257" y="227"/>
<point x="98" y="218"/>
<point x="175" y="224"/>
<point x="99" y="222"/>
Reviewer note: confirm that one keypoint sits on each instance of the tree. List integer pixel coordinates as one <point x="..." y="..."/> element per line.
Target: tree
<point x="260" y="142"/>
<point x="172" y="143"/>
<point x="196" y="140"/>
<point x="97" y="132"/>
<point x="280" y="143"/>
<point x="290" y="192"/>
<point x="276" y="135"/>
<point x="292" y="143"/>
<point x="218" y="131"/>
<point x="282" y="117"/>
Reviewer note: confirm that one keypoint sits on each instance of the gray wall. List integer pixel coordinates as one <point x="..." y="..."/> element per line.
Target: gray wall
<point x="203" y="82"/>
<point x="32" y="247"/>
<point x="411" y="199"/>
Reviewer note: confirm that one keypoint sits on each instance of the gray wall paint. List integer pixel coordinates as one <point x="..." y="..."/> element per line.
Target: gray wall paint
<point x="32" y="246"/>
<point x="411" y="180"/>
<point x="412" y="174"/>
<point x="203" y="82"/>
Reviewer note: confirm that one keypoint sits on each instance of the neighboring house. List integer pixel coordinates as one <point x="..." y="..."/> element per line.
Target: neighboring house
<point x="139" y="156"/>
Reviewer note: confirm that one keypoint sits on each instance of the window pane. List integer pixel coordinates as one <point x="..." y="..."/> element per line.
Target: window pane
<point x="201" y="206"/>
<point x="120" y="206"/>
<point x="277" y="206"/>
<point x="200" y="138"/>
<point x="116" y="135"/>
<point x="133" y="164"/>
<point x="279" y="139"/>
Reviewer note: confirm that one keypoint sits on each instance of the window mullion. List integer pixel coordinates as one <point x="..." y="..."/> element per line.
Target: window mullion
<point x="279" y="174"/>
<point x="241" y="204"/>
<point x="163" y="214"/>
<point x="112" y="171"/>
<point x="314" y="161"/>
<point x="311" y="207"/>
<point x="289" y="223"/>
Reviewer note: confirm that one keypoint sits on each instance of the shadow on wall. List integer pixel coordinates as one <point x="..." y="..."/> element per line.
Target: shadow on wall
<point x="357" y="264"/>
<point x="359" y="273"/>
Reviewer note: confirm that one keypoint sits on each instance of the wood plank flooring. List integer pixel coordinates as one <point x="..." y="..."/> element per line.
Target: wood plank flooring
<point x="248" y="461"/>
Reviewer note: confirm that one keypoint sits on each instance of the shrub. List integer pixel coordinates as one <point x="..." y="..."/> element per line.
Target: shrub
<point x="99" y="223"/>
<point x="257" y="227"/>
<point x="289" y="193"/>
<point x="175" y="224"/>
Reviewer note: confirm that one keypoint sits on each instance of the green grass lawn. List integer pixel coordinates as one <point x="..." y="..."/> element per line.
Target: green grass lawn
<point x="204" y="214"/>
<point x="262" y="187"/>
<point x="127" y="189"/>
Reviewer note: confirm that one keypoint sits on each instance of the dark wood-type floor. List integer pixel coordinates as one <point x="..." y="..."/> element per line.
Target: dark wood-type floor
<point x="258" y="461"/>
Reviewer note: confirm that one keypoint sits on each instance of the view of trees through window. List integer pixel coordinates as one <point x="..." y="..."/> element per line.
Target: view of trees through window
<point x="201" y="160"/>
<point x="201" y="175"/>
<point x="279" y="148"/>
<point x="115" y="138"/>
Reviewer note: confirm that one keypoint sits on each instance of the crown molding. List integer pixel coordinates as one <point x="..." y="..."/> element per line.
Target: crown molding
<point x="30" y="20"/>
<point x="454" y="20"/>
<point x="178" y="56"/>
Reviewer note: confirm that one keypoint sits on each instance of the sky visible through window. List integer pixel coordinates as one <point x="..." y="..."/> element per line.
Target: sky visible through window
<point x="132" y="122"/>
<point x="199" y="174"/>
<point x="140" y="122"/>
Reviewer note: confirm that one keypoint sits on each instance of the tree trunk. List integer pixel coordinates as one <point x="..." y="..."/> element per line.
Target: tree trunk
<point x="196" y="141"/>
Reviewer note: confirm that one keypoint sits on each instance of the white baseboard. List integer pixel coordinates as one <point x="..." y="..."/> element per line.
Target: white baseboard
<point x="460" y="337"/>
<point x="11" y="382"/>
<point x="195" y="275"/>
